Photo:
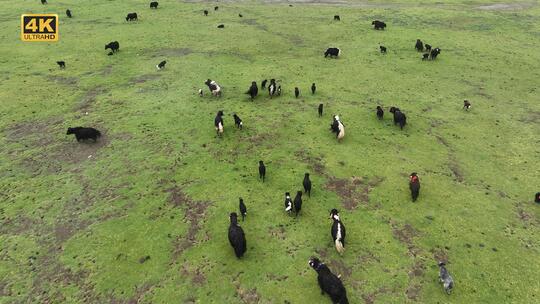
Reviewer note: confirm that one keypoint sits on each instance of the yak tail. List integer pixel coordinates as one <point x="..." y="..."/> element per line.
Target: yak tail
<point x="339" y="246"/>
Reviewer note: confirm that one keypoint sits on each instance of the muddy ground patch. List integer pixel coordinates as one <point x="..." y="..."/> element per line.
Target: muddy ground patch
<point x="353" y="191"/>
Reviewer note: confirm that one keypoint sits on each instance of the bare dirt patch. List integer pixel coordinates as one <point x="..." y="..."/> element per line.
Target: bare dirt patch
<point x="413" y="292"/>
<point x="89" y="98"/>
<point x="144" y="78"/>
<point x="371" y="297"/>
<point x="339" y="268"/>
<point x="194" y="215"/>
<point x="353" y="191"/>
<point x="173" y="52"/>
<point x="505" y="6"/>
<point x="255" y="23"/>
<point x="197" y="276"/>
<point x="70" y="81"/>
<point x="316" y="163"/>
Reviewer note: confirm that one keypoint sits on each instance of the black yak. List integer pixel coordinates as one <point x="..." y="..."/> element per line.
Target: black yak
<point x="61" y="64"/>
<point x="298" y="203"/>
<point x="399" y="117"/>
<point x="205" y="12"/>
<point x="253" y="90"/>
<point x="329" y="282"/>
<point x="414" y="185"/>
<point x="337" y="18"/>
<point x="434" y="53"/>
<point x="383" y="49"/>
<point x="263" y="84"/>
<point x="221" y="26"/>
<point x="131" y="17"/>
<point x="332" y="52"/>
<point x="419" y="46"/>
<point x="320" y="110"/>
<point x="537" y="197"/>
<point x="154" y="4"/>
<point x="243" y="209"/>
<point x="84" y="133"/>
<point x="307" y="184"/>
<point x="114" y="46"/>
<point x="262" y="170"/>
<point x="378" y="25"/>
<point x="68" y="13"/>
<point x="296" y="92"/>
<point x="380" y="112"/>
<point x="237" y="238"/>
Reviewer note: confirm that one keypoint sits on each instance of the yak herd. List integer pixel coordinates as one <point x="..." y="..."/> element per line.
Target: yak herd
<point x="328" y="282"/>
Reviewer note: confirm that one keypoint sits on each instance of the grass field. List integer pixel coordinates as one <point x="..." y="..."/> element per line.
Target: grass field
<point x="79" y="221"/>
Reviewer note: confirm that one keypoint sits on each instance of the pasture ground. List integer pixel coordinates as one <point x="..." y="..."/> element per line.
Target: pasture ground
<point x="142" y="216"/>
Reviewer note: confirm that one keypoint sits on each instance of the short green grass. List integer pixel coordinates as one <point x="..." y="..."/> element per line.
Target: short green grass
<point x="76" y="219"/>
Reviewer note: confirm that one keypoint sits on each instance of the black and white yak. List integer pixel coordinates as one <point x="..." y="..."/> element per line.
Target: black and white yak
<point x="466" y="105"/>
<point x="243" y="209"/>
<point x="338" y="231"/>
<point x="253" y="90"/>
<point x="288" y="203"/>
<point x="82" y="133"/>
<point x="213" y="87"/>
<point x="307" y="184"/>
<point x="272" y="88"/>
<point x="434" y="53"/>
<point x="332" y="52"/>
<point x="329" y="282"/>
<point x="338" y="128"/>
<point x="218" y="123"/>
<point x="237" y="238"/>
<point x="399" y="117"/>
<point x="238" y="121"/>
<point x="414" y="185"/>
<point x="445" y="278"/>
<point x="297" y="203"/>
<point x="161" y="65"/>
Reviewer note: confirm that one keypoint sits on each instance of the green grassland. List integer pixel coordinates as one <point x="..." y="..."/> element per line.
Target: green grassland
<point x="78" y="221"/>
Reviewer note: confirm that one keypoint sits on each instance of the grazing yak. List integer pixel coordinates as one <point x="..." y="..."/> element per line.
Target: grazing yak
<point x="154" y="4"/>
<point x="262" y="170"/>
<point x="383" y="49"/>
<point x="297" y="203"/>
<point x="272" y="88"/>
<point x="237" y="238"/>
<point x="263" y="84"/>
<point x="320" y="110"/>
<point x="445" y="278"/>
<point x="419" y="46"/>
<point x="414" y="185"/>
<point x="213" y="87"/>
<point x="338" y="128"/>
<point x="243" y="209"/>
<point x="296" y="92"/>
<point x="253" y="90"/>
<point x="399" y="117"/>
<point x="332" y="52"/>
<point x="380" y="112"/>
<point x="313" y="88"/>
<point x="205" y="12"/>
<point x="378" y="25"/>
<point x="434" y="53"/>
<point x="84" y="133"/>
<point x="425" y="56"/>
<point x="537" y="197"/>
<point x="240" y="15"/>
<point x="68" y="13"/>
<point x="329" y="282"/>
<point x="161" y="65"/>
<point x="428" y="47"/>
<point x="466" y="104"/>
<point x="307" y="184"/>
<point x="114" y="46"/>
<point x="61" y="64"/>
<point x="238" y="121"/>
<point x="221" y="26"/>
<point x="43" y="1"/>
<point x="288" y="203"/>
<point x="337" y="18"/>
<point x="131" y="17"/>
<point x="216" y="8"/>
<point x="337" y="231"/>
<point x="218" y="123"/>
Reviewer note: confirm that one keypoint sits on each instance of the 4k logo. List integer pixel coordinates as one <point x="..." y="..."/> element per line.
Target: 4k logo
<point x="39" y="27"/>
